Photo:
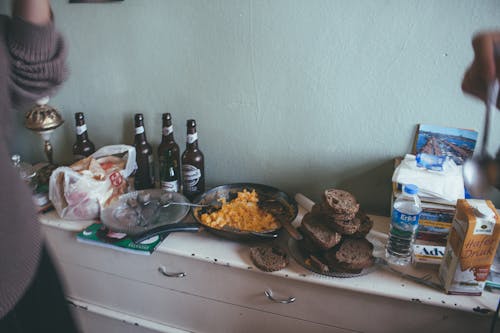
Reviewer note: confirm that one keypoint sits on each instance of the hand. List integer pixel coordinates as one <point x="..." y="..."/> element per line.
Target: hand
<point x="33" y="11"/>
<point x="486" y="65"/>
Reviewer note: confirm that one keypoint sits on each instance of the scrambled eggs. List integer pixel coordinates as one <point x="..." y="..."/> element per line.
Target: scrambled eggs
<point x="242" y="213"/>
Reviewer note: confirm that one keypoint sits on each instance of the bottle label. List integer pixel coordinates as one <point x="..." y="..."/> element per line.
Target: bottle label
<point x="81" y="129"/>
<point x="139" y="130"/>
<point x="170" y="186"/>
<point x="191" y="176"/>
<point x="403" y="220"/>
<point x="192" y="138"/>
<point x="167" y="130"/>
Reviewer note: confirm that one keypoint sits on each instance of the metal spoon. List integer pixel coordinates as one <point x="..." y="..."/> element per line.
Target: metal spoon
<point x="167" y="200"/>
<point x="476" y="170"/>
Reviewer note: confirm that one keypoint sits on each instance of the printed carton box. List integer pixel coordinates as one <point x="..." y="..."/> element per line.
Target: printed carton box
<point x="470" y="248"/>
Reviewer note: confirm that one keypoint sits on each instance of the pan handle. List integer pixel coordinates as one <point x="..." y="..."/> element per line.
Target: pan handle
<point x="191" y="227"/>
<point x="272" y="235"/>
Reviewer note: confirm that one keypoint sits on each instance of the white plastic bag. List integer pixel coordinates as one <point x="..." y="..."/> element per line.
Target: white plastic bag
<point x="78" y="192"/>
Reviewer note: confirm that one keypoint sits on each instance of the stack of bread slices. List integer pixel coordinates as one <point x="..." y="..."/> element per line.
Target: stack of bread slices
<point x="334" y="234"/>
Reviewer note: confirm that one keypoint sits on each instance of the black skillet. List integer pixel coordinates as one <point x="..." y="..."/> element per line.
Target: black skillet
<point x="272" y="200"/>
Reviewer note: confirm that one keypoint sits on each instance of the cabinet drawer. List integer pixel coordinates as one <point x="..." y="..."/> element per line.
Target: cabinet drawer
<point x="174" y="308"/>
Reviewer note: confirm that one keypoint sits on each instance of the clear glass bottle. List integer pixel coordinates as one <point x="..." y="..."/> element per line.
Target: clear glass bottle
<point x="144" y="175"/>
<point x="193" y="164"/>
<point x="83" y="147"/>
<point x="404" y="222"/>
<point x="168" y="157"/>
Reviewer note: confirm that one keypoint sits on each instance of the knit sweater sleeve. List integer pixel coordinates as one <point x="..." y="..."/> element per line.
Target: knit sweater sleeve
<point x="38" y="55"/>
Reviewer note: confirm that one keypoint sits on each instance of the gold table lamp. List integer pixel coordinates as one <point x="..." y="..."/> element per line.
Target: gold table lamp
<point x="44" y="119"/>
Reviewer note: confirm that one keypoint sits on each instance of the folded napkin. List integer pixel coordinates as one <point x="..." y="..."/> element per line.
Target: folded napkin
<point x="447" y="184"/>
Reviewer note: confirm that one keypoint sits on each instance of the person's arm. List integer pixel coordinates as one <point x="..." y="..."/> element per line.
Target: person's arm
<point x="33" y="11"/>
<point x="36" y="50"/>
<point x="486" y="64"/>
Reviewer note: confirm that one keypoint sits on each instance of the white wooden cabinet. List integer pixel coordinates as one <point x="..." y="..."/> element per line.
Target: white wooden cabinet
<point x="214" y="287"/>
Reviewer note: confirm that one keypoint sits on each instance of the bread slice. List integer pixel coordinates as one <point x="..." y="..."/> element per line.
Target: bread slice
<point x="351" y="255"/>
<point x="325" y="209"/>
<point x="316" y="228"/>
<point x="366" y="224"/>
<point x="307" y="245"/>
<point x="344" y="227"/>
<point x="340" y="201"/>
<point x="269" y="259"/>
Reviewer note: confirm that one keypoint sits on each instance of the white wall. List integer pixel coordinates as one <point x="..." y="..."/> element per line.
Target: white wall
<point x="302" y="95"/>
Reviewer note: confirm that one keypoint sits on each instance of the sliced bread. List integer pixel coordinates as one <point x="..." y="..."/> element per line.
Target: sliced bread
<point x="366" y="224"/>
<point x="316" y="228"/>
<point x="352" y="254"/>
<point x="269" y="259"/>
<point x="340" y="201"/>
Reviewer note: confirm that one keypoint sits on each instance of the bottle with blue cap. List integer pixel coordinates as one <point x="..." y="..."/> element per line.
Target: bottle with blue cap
<point x="404" y="222"/>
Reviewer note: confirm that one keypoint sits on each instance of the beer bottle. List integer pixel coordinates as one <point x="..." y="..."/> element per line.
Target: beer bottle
<point x="83" y="147"/>
<point x="193" y="169"/>
<point x="168" y="157"/>
<point x="144" y="175"/>
<point x="170" y="181"/>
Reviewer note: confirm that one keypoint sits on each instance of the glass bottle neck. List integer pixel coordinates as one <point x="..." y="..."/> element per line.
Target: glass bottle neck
<point x="192" y="139"/>
<point x="167" y="133"/>
<point x="140" y="134"/>
<point x="81" y="131"/>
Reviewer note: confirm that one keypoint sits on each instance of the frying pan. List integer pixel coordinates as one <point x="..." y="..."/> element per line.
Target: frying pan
<point x="271" y="200"/>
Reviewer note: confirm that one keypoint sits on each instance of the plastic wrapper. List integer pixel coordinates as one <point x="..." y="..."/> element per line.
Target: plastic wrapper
<point x="78" y="192"/>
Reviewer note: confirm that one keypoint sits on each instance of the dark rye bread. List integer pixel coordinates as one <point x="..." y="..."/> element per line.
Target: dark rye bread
<point x="351" y="255"/>
<point x="365" y="226"/>
<point x="324" y="208"/>
<point x="307" y="245"/>
<point x="269" y="259"/>
<point x="316" y="228"/>
<point x="341" y="202"/>
<point x="344" y="227"/>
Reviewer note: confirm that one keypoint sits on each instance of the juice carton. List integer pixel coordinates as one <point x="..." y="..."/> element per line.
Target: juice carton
<point x="470" y="248"/>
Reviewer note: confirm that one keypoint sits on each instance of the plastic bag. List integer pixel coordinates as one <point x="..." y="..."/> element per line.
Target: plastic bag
<point x="78" y="192"/>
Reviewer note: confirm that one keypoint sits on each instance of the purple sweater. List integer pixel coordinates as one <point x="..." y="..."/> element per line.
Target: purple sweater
<point x="31" y="66"/>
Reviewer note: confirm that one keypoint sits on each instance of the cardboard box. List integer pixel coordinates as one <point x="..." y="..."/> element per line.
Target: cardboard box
<point x="471" y="246"/>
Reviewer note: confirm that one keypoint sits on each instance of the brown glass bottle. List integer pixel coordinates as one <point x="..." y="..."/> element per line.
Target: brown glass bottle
<point x="144" y="175"/>
<point x="193" y="164"/>
<point x="168" y="157"/>
<point x="83" y="147"/>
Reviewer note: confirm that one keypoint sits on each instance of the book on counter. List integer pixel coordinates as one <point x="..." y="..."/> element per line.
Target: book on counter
<point x="98" y="234"/>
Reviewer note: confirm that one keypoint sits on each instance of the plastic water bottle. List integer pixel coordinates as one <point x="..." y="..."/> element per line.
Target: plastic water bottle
<point x="405" y="215"/>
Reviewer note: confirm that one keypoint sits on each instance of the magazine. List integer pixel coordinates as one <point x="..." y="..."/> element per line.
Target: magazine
<point x="98" y="234"/>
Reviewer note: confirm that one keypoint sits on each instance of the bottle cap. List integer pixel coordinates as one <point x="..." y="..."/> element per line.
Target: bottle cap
<point x="78" y="115"/>
<point x="191" y="123"/>
<point x="483" y="211"/>
<point x="411" y="189"/>
<point x="167" y="116"/>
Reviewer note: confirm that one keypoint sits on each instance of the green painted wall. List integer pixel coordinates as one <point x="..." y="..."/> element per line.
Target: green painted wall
<point x="302" y="95"/>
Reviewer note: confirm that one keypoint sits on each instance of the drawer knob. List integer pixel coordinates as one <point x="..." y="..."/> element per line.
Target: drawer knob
<point x="269" y="294"/>
<point x="164" y="272"/>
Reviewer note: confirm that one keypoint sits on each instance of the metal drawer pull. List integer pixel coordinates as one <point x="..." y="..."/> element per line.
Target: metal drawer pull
<point x="163" y="271"/>
<point x="269" y="295"/>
